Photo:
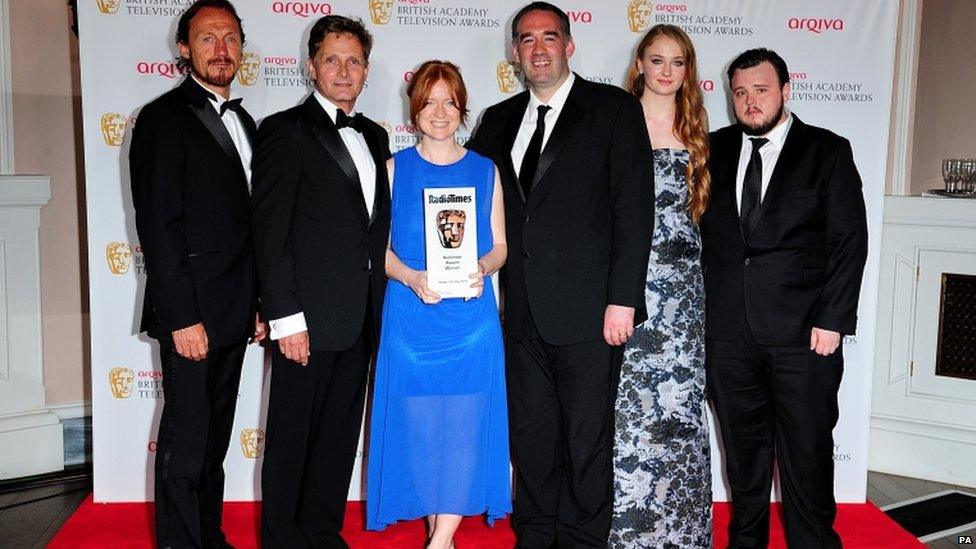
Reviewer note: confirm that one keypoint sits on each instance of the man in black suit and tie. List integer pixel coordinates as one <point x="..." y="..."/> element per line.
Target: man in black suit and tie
<point x="784" y="243"/>
<point x="190" y="173"/>
<point x="576" y="164"/>
<point x="321" y="223"/>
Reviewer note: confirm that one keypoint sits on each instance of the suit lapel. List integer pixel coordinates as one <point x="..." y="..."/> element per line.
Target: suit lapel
<point x="250" y="128"/>
<point x="510" y="132"/>
<point x="381" y="184"/>
<point x="727" y="166"/>
<point x="570" y="117"/>
<point x="199" y="104"/>
<point x="787" y="160"/>
<point x="327" y="134"/>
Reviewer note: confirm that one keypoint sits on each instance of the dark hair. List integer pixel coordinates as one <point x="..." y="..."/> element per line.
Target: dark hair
<point x="541" y="6"/>
<point x="339" y="25"/>
<point x="183" y="27"/>
<point x="754" y="57"/>
<point x="430" y="73"/>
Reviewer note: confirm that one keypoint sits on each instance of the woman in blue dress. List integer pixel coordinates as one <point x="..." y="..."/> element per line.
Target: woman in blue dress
<point x="438" y="432"/>
<point x="662" y="478"/>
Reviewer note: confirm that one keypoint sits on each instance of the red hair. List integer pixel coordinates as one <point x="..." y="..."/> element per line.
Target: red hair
<point x="690" y="118"/>
<point x="430" y="73"/>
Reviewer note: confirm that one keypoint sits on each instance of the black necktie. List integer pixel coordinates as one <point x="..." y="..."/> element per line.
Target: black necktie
<point x="752" y="188"/>
<point x="231" y="104"/>
<point x="343" y="120"/>
<point x="530" y="162"/>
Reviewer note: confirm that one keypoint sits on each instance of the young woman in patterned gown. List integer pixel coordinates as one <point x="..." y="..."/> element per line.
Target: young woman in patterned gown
<point x="662" y="478"/>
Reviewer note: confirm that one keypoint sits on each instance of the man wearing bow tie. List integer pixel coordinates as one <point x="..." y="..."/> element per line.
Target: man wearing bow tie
<point x="321" y="207"/>
<point x="190" y="174"/>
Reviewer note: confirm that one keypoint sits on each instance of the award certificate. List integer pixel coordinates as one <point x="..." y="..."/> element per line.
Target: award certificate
<point x="451" y="239"/>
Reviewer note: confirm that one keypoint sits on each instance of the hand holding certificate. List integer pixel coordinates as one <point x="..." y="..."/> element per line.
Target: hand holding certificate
<point x="451" y="238"/>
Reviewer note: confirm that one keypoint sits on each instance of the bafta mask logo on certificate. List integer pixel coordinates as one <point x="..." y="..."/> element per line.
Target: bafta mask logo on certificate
<point x="119" y="257"/>
<point x="121" y="381"/>
<point x="508" y="77"/>
<point x="380" y="11"/>
<point x="252" y="443"/>
<point x="108" y="6"/>
<point x="450" y="228"/>
<point x="639" y="15"/>
<point x="248" y="72"/>
<point x="113" y="128"/>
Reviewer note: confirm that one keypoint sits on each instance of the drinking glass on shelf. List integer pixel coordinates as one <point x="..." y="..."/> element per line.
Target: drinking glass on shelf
<point x="963" y="175"/>
<point x="950" y="169"/>
<point x="969" y="175"/>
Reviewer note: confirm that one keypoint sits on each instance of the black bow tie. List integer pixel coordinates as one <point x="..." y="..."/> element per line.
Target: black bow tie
<point x="343" y="120"/>
<point x="231" y="104"/>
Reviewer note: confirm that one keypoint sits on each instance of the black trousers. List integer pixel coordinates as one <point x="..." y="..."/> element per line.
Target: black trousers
<point x="314" y="416"/>
<point x="777" y="403"/>
<point x="194" y="432"/>
<point x="560" y="401"/>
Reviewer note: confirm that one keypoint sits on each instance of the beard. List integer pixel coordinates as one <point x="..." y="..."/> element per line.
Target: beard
<point x="218" y="78"/>
<point x="763" y="127"/>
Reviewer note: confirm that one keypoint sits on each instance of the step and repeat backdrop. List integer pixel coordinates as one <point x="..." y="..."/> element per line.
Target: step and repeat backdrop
<point x="840" y="55"/>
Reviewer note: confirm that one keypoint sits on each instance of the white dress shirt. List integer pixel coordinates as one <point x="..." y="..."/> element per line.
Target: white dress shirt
<point x="358" y="150"/>
<point x="531" y="115"/>
<point x="356" y="145"/>
<point x="769" y="153"/>
<point x="235" y="128"/>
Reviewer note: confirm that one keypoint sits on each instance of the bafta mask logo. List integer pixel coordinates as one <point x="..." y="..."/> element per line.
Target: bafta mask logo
<point x="386" y="126"/>
<point x="450" y="227"/>
<point x="507" y="74"/>
<point x="120" y="381"/>
<point x="119" y="257"/>
<point x="108" y="6"/>
<point x="247" y="73"/>
<point x="380" y="11"/>
<point x="113" y="128"/>
<point x="638" y="15"/>
<point x="252" y="443"/>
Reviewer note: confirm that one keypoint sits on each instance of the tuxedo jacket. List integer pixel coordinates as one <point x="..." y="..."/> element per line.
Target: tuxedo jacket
<point x="319" y="250"/>
<point x="582" y="239"/>
<point x="801" y="266"/>
<point x="193" y="218"/>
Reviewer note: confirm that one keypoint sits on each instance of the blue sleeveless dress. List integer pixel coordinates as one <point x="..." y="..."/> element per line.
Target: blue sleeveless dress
<point x="438" y="437"/>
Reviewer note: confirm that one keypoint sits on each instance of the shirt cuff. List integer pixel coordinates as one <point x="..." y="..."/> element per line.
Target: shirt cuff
<point x="289" y="325"/>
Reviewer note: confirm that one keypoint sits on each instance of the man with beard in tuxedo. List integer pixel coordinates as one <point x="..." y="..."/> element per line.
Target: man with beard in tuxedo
<point x="190" y="173"/>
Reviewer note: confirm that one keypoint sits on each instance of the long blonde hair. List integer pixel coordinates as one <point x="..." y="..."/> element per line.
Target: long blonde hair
<point x="690" y="119"/>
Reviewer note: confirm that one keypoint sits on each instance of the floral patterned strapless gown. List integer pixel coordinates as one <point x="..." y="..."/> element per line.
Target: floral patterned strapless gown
<point x="662" y="476"/>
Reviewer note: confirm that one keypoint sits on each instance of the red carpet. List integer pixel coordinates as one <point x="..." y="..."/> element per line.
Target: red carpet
<point x="130" y="525"/>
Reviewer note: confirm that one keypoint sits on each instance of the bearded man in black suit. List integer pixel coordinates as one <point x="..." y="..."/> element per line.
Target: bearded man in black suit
<point x="784" y="241"/>
<point x="190" y="166"/>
